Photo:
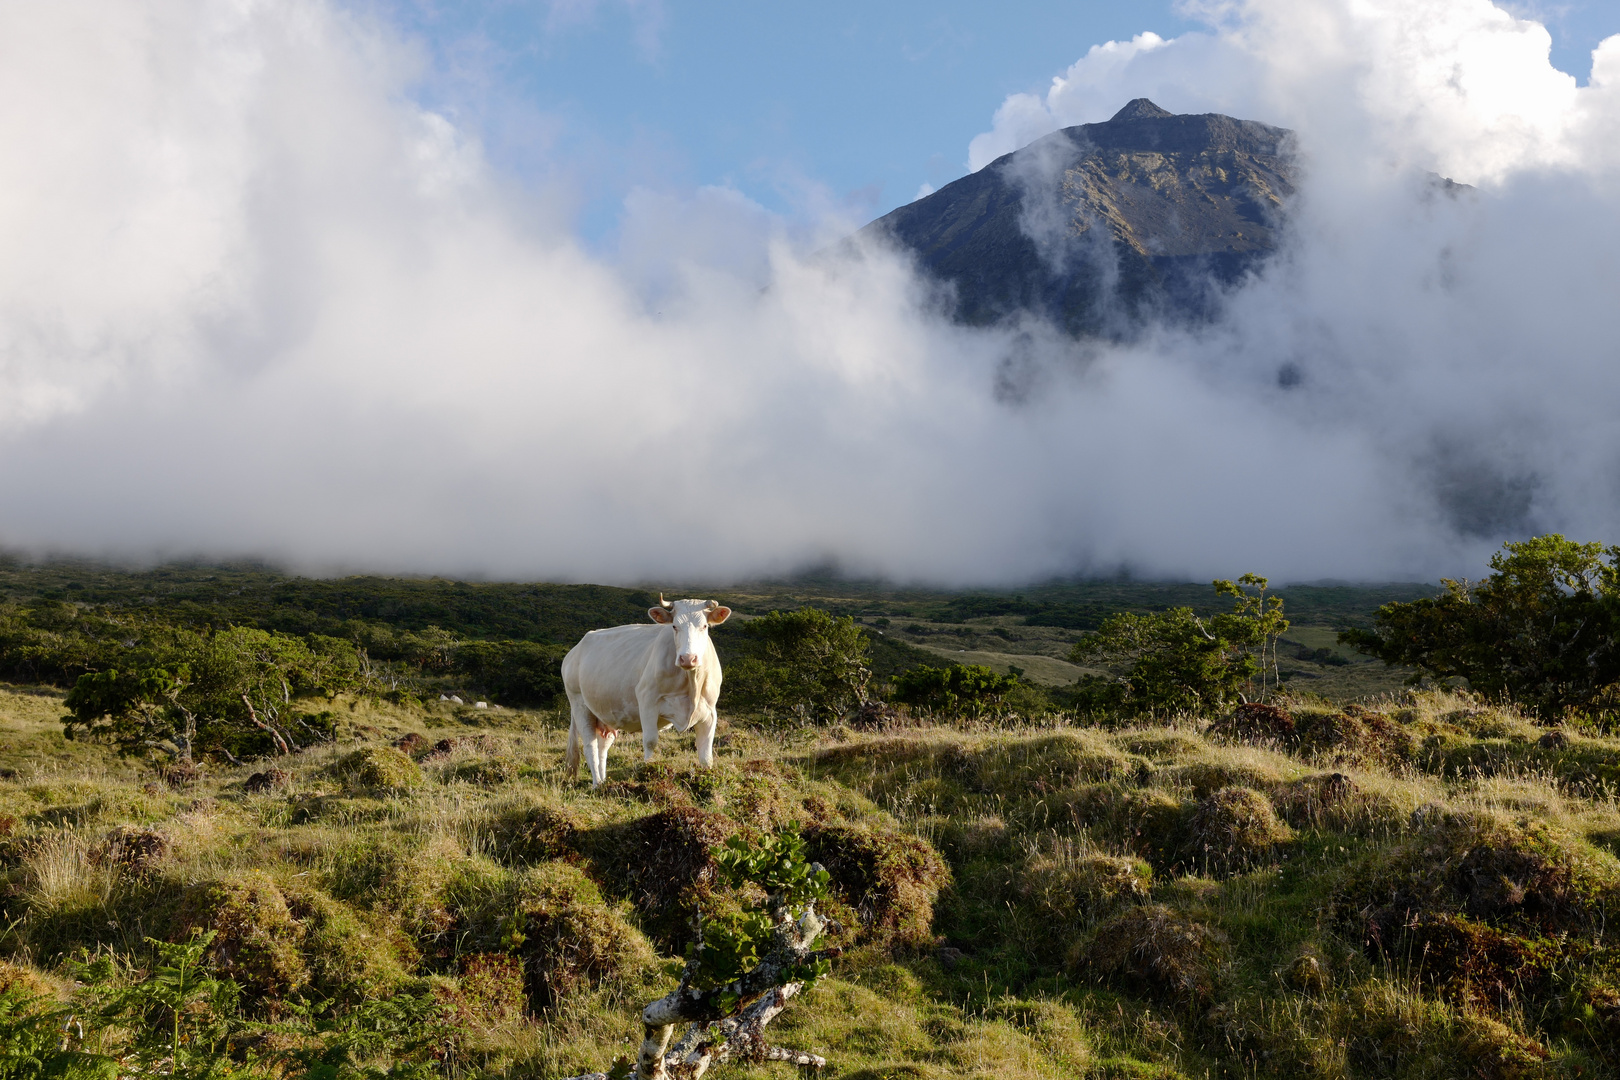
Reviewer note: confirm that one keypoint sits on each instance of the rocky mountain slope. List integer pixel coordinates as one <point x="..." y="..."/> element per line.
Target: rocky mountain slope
<point x="1101" y="227"/>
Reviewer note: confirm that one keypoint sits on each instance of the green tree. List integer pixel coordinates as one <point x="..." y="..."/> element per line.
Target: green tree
<point x="803" y="663"/>
<point x="1543" y="628"/>
<point x="958" y="690"/>
<point x="232" y="690"/>
<point x="1178" y="661"/>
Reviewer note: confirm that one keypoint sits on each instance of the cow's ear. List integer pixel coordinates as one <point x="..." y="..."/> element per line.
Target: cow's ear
<point x="658" y="614"/>
<point x="719" y="615"/>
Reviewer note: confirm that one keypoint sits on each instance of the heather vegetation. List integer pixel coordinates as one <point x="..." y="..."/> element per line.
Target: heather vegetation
<point x="958" y="870"/>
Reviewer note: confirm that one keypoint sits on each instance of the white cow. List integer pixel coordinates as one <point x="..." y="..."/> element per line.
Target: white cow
<point x="664" y="673"/>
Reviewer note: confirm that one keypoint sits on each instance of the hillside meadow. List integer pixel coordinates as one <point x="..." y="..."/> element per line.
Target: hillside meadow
<point x="1416" y="886"/>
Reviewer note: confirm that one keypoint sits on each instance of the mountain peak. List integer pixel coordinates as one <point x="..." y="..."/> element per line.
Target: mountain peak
<point x="1140" y="109"/>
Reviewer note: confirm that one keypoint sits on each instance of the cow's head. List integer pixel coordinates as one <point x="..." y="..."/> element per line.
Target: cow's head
<point x="691" y="620"/>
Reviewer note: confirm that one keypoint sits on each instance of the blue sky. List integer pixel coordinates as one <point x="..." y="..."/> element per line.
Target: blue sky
<point x="855" y="102"/>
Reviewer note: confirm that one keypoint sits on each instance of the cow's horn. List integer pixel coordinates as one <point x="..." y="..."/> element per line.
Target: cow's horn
<point x="713" y="604"/>
<point x="664" y="603"/>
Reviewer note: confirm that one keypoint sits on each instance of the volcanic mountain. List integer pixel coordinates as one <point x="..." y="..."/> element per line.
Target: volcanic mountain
<point x="1103" y="227"/>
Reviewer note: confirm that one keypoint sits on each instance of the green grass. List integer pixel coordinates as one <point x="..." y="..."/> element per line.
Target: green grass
<point x="1077" y="920"/>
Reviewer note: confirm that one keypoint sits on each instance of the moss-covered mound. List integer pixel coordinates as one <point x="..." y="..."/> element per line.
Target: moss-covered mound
<point x="257" y="940"/>
<point x="889" y="880"/>
<point x="567" y="935"/>
<point x="1158" y="951"/>
<point x="1233" y="829"/>
<point x="1073" y="885"/>
<point x="378" y="768"/>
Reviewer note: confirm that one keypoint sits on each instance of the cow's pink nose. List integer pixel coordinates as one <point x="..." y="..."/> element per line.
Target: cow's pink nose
<point x="687" y="660"/>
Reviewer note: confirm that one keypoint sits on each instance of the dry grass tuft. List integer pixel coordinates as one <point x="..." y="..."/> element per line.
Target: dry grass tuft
<point x="1160" y="952"/>
<point x="1234" y="829"/>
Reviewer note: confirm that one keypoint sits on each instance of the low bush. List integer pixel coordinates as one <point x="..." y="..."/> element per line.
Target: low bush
<point x="1234" y="829"/>
<point x="889" y="880"/>
<point x="1159" y="952"/>
<point x="378" y="768"/>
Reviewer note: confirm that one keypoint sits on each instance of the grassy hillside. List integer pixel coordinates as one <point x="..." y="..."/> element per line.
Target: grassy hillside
<point x="1420" y="887"/>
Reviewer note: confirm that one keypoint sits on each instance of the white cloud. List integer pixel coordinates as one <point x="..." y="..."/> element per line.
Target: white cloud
<point x="254" y="300"/>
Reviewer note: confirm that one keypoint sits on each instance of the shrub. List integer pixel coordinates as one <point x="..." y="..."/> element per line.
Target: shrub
<point x="567" y="937"/>
<point x="1541" y="629"/>
<point x="1160" y="952"/>
<point x="1235" y="828"/>
<point x="379" y="768"/>
<point x="1177" y="661"/>
<point x="888" y="879"/>
<point x="256" y="939"/>
<point x="1068" y="883"/>
<point x="970" y="690"/>
<point x="803" y="663"/>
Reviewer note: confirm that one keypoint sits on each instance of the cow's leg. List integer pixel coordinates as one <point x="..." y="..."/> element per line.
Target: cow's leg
<point x="705" y="739"/>
<point x="647" y="702"/>
<point x="576" y="709"/>
<point x="596" y="749"/>
<point x="585" y="730"/>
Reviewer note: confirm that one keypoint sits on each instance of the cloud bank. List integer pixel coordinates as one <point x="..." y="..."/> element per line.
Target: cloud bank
<point x="254" y="299"/>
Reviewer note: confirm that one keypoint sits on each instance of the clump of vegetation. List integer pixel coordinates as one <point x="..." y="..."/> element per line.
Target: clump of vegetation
<point x="378" y="768"/>
<point x="1072" y="884"/>
<point x="1257" y="723"/>
<point x="567" y="936"/>
<point x="804" y="664"/>
<point x="969" y="690"/>
<point x="887" y="879"/>
<point x="252" y="935"/>
<point x="1177" y="661"/>
<point x="1235" y="828"/>
<point x="1541" y="629"/>
<point x="1160" y="952"/>
<point x="666" y="862"/>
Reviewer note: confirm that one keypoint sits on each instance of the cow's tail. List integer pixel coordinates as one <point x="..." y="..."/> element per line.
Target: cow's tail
<point x="571" y="759"/>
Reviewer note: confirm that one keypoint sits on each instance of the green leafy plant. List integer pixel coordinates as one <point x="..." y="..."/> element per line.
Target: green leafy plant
<point x="179" y="1015"/>
<point x="805" y="663"/>
<point x="1179" y="661"/>
<point x="958" y="690"/>
<point x="38" y="1042"/>
<point x="1543" y="629"/>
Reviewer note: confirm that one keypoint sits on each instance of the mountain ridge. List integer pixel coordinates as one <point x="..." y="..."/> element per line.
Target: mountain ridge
<point x="1103" y="228"/>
